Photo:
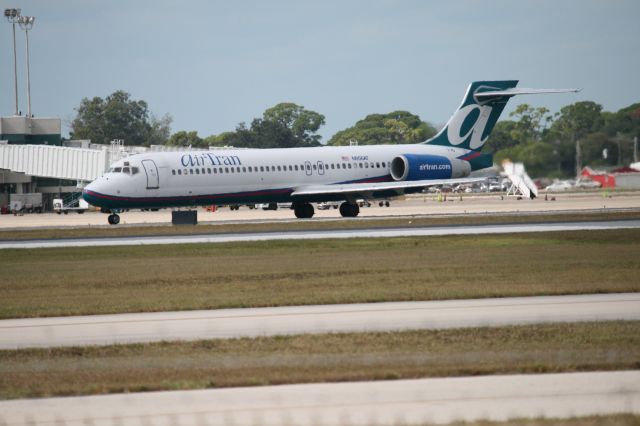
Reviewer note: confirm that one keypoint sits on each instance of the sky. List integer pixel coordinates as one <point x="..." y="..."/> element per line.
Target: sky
<point x="212" y="64"/>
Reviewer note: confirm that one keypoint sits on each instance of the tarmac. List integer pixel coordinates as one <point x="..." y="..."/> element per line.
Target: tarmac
<point x="287" y="320"/>
<point x="212" y="238"/>
<point x="418" y="205"/>
<point x="421" y="401"/>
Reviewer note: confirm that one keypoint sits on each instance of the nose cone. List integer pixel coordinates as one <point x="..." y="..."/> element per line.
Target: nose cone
<point x="91" y="194"/>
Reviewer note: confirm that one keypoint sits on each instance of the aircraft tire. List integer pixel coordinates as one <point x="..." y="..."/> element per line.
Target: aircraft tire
<point x="349" y="209"/>
<point x="303" y="211"/>
<point x="113" y="219"/>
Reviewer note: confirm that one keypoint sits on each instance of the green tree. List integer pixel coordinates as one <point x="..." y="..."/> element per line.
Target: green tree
<point x="530" y="122"/>
<point x="301" y="122"/>
<point x="119" y="117"/>
<point x="285" y="125"/>
<point x="539" y="158"/>
<point x="572" y="124"/>
<point x="502" y="136"/>
<point x="183" y="138"/>
<point x="393" y="128"/>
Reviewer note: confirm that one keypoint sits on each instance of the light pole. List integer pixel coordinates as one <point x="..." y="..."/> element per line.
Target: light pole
<point x="26" y="23"/>
<point x="13" y="16"/>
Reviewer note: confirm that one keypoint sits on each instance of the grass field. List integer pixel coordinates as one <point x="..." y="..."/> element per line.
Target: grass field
<point x="320" y="358"/>
<point x="74" y="281"/>
<point x="280" y="226"/>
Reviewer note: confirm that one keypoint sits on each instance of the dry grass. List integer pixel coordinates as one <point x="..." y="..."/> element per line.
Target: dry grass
<point x="296" y="225"/>
<point x="320" y="358"/>
<point x="75" y="281"/>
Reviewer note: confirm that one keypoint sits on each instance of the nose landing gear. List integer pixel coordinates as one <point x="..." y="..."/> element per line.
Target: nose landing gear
<point x="113" y="219"/>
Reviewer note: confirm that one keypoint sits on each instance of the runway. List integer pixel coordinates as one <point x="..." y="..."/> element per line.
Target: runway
<point x="323" y="234"/>
<point x="230" y="323"/>
<point x="441" y="400"/>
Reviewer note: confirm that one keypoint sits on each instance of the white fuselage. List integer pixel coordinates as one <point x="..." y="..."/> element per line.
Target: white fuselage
<point x="235" y="176"/>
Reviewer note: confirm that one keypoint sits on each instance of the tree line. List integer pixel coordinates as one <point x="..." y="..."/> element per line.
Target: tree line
<point x="546" y="143"/>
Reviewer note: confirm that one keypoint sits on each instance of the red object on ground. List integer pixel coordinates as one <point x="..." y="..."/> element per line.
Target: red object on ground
<point x="607" y="180"/>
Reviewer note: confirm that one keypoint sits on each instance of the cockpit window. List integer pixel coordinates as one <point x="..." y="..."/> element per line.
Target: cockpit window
<point x="134" y="170"/>
<point x="117" y="169"/>
<point x="125" y="170"/>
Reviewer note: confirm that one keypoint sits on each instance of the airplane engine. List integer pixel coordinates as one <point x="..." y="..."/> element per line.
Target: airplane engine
<point x="422" y="167"/>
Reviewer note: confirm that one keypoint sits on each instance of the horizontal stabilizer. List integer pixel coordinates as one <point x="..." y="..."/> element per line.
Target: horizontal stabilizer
<point x="521" y="91"/>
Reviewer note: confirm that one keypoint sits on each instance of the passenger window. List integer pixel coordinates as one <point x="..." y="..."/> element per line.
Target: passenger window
<point x="197" y="171"/>
<point x="244" y="170"/>
<point x="179" y="171"/>
<point x="186" y="172"/>
<point x="278" y="168"/>
<point x="208" y="170"/>
<point x="296" y="167"/>
<point x="290" y="168"/>
<point x="377" y="165"/>
<point x="173" y="172"/>
<point x="366" y="165"/>
<point x="262" y="168"/>
<point x="333" y="166"/>
<point x="190" y="171"/>
<point x="226" y="170"/>
<point x="250" y="169"/>
<point x="383" y="165"/>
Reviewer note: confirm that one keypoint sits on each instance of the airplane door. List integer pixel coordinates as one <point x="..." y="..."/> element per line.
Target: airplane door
<point x="307" y="168"/>
<point x="320" y="168"/>
<point x="150" y="168"/>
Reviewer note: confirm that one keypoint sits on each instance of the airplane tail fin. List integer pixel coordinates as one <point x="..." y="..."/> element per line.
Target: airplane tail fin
<point x="470" y="126"/>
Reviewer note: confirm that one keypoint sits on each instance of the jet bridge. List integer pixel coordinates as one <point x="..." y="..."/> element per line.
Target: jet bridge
<point x="54" y="161"/>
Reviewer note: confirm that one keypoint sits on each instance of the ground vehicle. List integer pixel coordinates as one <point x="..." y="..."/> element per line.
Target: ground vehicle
<point x="559" y="185"/>
<point x="587" y="184"/>
<point x="59" y="206"/>
<point x="328" y="205"/>
<point x="28" y="203"/>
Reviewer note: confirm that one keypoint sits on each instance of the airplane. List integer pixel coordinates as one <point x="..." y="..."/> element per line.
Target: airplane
<point x="302" y="176"/>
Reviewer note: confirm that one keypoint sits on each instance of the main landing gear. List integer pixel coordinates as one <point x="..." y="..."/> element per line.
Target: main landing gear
<point x="113" y="219"/>
<point x="348" y="209"/>
<point x="303" y="210"/>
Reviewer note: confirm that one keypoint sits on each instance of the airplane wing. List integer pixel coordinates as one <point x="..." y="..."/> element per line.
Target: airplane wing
<point x="379" y="189"/>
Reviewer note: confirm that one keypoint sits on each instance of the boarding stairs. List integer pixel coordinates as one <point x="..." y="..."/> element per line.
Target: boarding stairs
<point x="521" y="183"/>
